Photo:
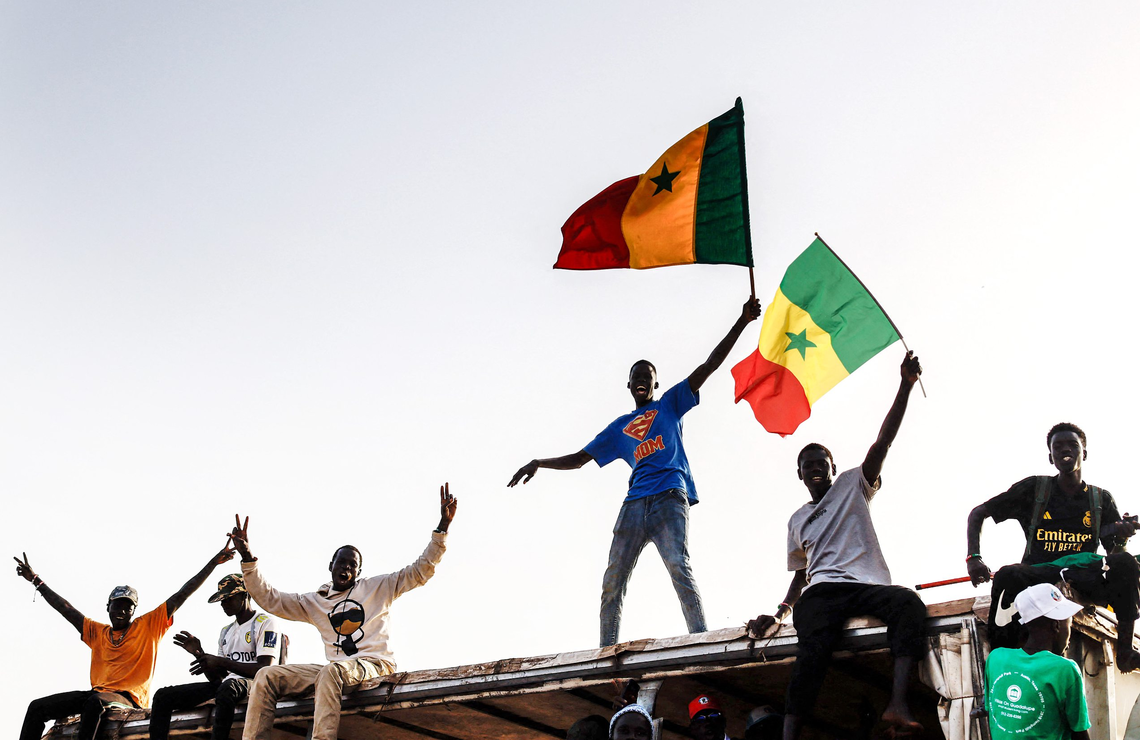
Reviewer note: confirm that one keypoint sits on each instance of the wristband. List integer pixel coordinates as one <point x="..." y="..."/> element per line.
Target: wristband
<point x="971" y="557"/>
<point x="37" y="582"/>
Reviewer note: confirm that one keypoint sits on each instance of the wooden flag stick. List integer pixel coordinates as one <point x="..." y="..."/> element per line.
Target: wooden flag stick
<point x="876" y="300"/>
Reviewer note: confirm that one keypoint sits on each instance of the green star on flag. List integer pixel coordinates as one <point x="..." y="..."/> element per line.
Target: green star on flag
<point x="800" y="342"/>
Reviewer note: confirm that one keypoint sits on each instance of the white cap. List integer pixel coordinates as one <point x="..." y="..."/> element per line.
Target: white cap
<point x="1044" y="600"/>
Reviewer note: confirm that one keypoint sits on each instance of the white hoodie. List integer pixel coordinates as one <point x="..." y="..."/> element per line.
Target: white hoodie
<point x="352" y="623"/>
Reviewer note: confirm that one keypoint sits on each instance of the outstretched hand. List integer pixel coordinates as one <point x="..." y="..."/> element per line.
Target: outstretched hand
<point x="527" y="470"/>
<point x="447" y="506"/>
<point x="910" y="368"/>
<point x="24" y="570"/>
<point x="751" y="310"/>
<point x="189" y="643"/>
<point x="240" y="537"/>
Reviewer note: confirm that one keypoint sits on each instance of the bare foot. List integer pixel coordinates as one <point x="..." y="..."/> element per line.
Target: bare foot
<point x="902" y="723"/>
<point x="1127" y="661"/>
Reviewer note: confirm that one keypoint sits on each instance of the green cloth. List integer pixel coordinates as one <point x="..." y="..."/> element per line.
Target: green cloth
<point x="1034" y="696"/>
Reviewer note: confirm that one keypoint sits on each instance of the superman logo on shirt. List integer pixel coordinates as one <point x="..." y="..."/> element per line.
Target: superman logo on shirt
<point x="639" y="427"/>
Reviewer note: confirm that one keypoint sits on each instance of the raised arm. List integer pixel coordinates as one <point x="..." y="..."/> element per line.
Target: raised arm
<point x="976" y="567"/>
<point x="179" y="598"/>
<point x="566" y="462"/>
<point x="421" y="571"/>
<point x="57" y="602"/>
<point x="760" y="626"/>
<point x="873" y="464"/>
<point x="278" y="603"/>
<point x="749" y="313"/>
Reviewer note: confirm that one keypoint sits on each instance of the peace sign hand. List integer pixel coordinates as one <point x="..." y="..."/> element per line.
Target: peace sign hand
<point x="447" y="506"/>
<point x="24" y="570"/>
<point x="240" y="537"/>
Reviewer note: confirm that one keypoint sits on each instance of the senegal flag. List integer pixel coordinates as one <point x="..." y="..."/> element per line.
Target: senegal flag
<point x="690" y="207"/>
<point x="821" y="326"/>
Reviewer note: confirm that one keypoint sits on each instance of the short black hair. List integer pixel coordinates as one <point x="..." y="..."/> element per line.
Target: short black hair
<point x="354" y="548"/>
<point x="1065" y="426"/>
<point x="643" y="362"/>
<point x="814" y="446"/>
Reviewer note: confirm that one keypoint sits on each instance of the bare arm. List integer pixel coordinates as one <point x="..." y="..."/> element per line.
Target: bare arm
<point x="877" y="455"/>
<point x="760" y="626"/>
<point x="975" y="566"/>
<point x="180" y="596"/>
<point x="749" y="313"/>
<point x="566" y="462"/>
<point x="57" y="602"/>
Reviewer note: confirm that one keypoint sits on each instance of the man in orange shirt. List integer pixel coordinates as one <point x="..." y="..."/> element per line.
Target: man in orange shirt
<point x="122" y="653"/>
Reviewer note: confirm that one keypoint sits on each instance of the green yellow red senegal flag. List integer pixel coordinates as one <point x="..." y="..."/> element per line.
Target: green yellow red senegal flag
<point x="690" y="207"/>
<point x="821" y="326"/>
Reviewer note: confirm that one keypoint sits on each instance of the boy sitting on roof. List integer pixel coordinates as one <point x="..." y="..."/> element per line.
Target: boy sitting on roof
<point x="247" y="644"/>
<point x="834" y="551"/>
<point x="1034" y="692"/>
<point x="123" y="652"/>
<point x="1064" y="520"/>
<point x="351" y="614"/>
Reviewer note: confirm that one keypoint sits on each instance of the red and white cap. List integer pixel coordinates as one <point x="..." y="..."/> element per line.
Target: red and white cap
<point x="1044" y="600"/>
<point x="702" y="703"/>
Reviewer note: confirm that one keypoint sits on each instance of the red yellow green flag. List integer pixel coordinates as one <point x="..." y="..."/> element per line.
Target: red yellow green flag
<point x="690" y="207"/>
<point x="822" y="325"/>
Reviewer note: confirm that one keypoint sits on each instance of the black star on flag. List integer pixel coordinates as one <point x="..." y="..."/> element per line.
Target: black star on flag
<point x="664" y="181"/>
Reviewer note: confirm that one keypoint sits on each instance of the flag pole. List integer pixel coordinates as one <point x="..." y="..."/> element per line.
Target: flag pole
<point x="744" y="198"/>
<point x="873" y="298"/>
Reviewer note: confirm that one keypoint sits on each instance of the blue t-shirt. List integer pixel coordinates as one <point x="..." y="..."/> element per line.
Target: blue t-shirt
<point x="649" y="439"/>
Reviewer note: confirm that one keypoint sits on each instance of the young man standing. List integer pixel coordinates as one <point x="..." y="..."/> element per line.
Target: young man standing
<point x="245" y="645"/>
<point x="841" y="572"/>
<point x="1033" y="693"/>
<point x="123" y="653"/>
<point x="350" y="612"/>
<point x="1064" y="520"/>
<point x="661" y="488"/>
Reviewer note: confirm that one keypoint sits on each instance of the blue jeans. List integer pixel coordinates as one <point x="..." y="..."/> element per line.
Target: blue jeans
<point x="662" y="519"/>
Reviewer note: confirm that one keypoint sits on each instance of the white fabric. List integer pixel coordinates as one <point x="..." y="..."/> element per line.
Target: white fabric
<point x="835" y="540"/>
<point x="361" y="612"/>
<point x="246" y="642"/>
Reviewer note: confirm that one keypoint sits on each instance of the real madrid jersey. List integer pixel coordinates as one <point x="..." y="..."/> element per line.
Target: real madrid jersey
<point x="246" y="642"/>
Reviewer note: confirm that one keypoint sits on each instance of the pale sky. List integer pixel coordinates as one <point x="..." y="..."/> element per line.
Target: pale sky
<point x="293" y="260"/>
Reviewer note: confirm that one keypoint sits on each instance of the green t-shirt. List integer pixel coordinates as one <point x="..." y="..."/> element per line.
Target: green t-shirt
<point x="1034" y="696"/>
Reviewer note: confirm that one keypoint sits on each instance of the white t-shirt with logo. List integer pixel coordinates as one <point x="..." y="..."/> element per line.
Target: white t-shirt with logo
<point x="835" y="540"/>
<point x="245" y="643"/>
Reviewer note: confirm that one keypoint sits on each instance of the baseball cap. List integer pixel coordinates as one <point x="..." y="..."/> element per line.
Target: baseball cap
<point x="1044" y="600"/>
<point x="701" y="703"/>
<point x="760" y="714"/>
<point x="124" y="592"/>
<point x="232" y="584"/>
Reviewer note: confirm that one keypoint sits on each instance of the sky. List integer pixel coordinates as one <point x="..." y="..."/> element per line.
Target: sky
<point x="293" y="260"/>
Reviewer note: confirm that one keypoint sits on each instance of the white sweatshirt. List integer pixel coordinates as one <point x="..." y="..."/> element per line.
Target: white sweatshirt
<point x="352" y="623"/>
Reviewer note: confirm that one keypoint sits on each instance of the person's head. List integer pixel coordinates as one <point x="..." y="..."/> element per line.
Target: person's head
<point x="1046" y="614"/>
<point x="345" y="567"/>
<point x="815" y="466"/>
<point x="764" y="723"/>
<point x="642" y="381"/>
<point x="631" y="722"/>
<point x="706" y="719"/>
<point x="231" y="592"/>
<point x="1068" y="447"/>
<point x="121" y="606"/>
<point x="594" y="727"/>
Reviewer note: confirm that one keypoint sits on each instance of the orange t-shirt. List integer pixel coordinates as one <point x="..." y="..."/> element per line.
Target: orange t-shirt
<point x="128" y="666"/>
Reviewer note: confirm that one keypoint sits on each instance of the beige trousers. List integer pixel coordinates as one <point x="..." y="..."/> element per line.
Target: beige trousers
<point x="329" y="681"/>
